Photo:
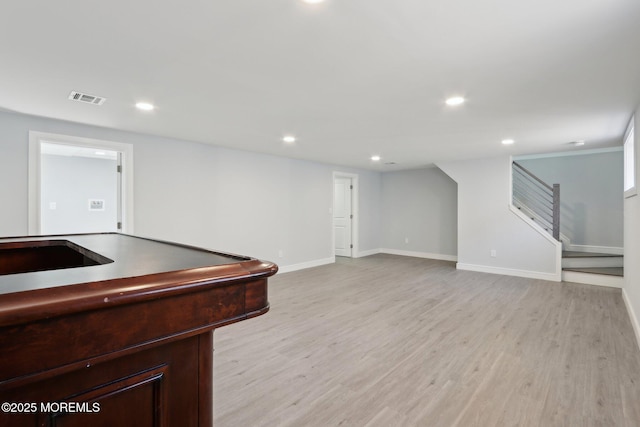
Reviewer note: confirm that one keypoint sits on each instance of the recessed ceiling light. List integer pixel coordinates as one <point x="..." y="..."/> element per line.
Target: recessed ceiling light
<point x="313" y="1"/>
<point x="507" y="141"/>
<point x="455" y="100"/>
<point x="100" y="153"/>
<point x="579" y="143"/>
<point x="145" y="106"/>
<point x="375" y="158"/>
<point x="289" y="139"/>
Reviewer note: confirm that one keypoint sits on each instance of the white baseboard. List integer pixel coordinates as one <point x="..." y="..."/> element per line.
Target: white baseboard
<point x="428" y="255"/>
<point x="593" y="279"/>
<point x="367" y="253"/>
<point x="632" y="316"/>
<point x="590" y="248"/>
<point x="308" y="264"/>
<point x="510" y="272"/>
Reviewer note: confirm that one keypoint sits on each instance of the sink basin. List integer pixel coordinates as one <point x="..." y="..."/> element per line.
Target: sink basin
<point x="42" y="255"/>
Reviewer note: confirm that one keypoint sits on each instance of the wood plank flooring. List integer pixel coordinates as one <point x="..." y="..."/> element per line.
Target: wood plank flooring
<point x="397" y="341"/>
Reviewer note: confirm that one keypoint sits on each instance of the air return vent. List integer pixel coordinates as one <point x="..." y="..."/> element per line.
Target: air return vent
<point x="84" y="97"/>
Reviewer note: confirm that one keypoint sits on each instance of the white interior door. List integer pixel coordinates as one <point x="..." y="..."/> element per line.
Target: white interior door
<point x="342" y="216"/>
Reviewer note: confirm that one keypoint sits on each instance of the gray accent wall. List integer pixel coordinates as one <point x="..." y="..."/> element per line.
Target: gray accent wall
<point x="420" y="206"/>
<point x="591" y="195"/>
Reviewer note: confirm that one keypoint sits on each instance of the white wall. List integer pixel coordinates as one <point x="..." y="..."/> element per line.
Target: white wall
<point x="421" y="206"/>
<point x="14" y="184"/>
<point x="591" y="195"/>
<point x="486" y="222"/>
<point x="218" y="198"/>
<point x="259" y="204"/>
<point x="631" y="291"/>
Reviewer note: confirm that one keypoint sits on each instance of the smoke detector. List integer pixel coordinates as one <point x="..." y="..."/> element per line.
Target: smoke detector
<point x="86" y="98"/>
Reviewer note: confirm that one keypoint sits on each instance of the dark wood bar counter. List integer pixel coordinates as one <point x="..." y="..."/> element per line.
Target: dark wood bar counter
<point x="115" y="330"/>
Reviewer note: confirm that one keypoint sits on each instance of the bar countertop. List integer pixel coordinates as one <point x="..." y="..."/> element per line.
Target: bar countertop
<point x="124" y="257"/>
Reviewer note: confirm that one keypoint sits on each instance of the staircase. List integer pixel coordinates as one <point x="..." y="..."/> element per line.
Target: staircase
<point x="588" y="262"/>
<point x="540" y="202"/>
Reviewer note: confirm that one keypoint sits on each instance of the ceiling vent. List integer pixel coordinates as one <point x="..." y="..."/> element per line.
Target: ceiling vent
<point x="89" y="99"/>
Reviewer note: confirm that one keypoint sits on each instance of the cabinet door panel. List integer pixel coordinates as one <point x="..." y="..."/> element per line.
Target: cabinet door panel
<point x="153" y="388"/>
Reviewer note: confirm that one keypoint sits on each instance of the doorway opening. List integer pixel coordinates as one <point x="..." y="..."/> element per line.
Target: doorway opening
<point x="345" y="214"/>
<point x="79" y="185"/>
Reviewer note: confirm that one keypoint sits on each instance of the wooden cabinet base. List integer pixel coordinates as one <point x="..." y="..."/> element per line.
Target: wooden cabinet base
<point x="168" y="385"/>
<point x="132" y="351"/>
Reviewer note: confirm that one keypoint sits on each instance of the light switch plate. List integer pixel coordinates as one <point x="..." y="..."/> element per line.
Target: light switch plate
<point x="96" y="204"/>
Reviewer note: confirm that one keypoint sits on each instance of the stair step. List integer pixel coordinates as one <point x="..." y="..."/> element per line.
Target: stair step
<point x="607" y="271"/>
<point x="581" y="260"/>
<point x="576" y="254"/>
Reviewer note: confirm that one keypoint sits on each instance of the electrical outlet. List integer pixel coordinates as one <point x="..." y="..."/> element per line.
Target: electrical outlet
<point x="280" y="253"/>
<point x="406" y="240"/>
<point x="493" y="253"/>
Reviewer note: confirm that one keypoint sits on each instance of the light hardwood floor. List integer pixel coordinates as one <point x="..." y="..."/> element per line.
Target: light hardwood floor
<point x="397" y="341"/>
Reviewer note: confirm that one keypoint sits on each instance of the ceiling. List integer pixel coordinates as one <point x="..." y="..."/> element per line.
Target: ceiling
<point x="348" y="78"/>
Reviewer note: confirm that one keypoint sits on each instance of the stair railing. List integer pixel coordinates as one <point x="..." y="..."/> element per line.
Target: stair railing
<point x="539" y="200"/>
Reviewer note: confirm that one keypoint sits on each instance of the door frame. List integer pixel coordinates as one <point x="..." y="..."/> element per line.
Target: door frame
<point x="354" y="212"/>
<point x="36" y="139"/>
